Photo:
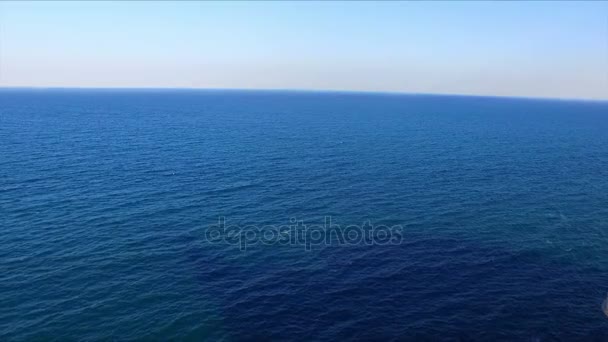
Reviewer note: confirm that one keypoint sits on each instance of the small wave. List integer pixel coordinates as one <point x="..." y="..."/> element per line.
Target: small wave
<point x="235" y="186"/>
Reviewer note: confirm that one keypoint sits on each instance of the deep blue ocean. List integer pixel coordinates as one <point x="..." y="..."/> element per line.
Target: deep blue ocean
<point x="107" y="196"/>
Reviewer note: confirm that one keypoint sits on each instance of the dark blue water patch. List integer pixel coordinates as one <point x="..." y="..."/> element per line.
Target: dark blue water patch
<point x="106" y="195"/>
<point x="398" y="291"/>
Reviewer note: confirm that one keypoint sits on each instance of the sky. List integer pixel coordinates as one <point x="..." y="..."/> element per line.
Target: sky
<point x="532" y="49"/>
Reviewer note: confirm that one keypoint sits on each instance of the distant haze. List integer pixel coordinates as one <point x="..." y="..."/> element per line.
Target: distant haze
<point x="532" y="49"/>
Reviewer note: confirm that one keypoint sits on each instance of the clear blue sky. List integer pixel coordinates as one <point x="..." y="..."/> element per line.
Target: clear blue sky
<point x="544" y="49"/>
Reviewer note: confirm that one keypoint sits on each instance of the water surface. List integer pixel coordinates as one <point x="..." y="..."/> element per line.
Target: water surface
<point x="105" y="197"/>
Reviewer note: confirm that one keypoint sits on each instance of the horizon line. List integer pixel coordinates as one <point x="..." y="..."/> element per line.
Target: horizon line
<point x="305" y="90"/>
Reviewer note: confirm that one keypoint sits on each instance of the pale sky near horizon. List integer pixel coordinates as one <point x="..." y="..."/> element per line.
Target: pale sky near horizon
<point x="532" y="49"/>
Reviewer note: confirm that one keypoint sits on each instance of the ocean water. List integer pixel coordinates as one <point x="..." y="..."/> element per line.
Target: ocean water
<point x="107" y="196"/>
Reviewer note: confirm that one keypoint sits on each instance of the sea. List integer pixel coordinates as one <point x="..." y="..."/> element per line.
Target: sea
<point x="166" y="214"/>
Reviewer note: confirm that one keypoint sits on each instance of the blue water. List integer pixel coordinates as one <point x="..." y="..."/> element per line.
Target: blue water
<point x="106" y="195"/>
